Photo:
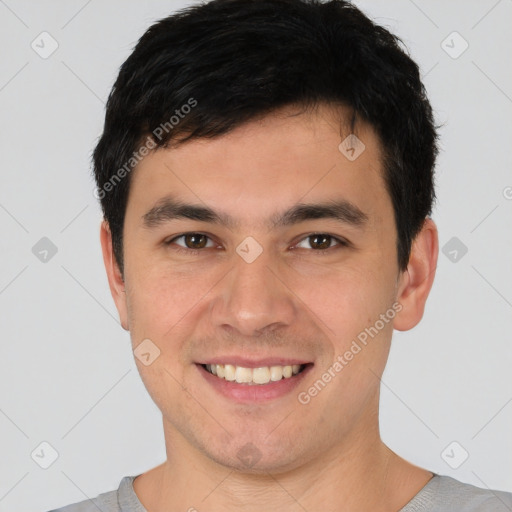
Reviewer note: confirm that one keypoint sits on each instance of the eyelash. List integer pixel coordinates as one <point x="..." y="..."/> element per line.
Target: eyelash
<point x="195" y="252"/>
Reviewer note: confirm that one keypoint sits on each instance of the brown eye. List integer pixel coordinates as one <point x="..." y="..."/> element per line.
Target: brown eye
<point x="195" y="240"/>
<point x="320" y="242"/>
<point x="190" y="242"/>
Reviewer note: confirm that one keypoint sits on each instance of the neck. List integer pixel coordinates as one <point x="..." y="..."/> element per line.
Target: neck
<point x="360" y="474"/>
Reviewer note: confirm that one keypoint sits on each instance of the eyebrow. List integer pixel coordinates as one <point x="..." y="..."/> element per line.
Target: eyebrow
<point x="341" y="210"/>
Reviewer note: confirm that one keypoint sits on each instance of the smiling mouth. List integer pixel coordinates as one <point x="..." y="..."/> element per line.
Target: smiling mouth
<point x="252" y="376"/>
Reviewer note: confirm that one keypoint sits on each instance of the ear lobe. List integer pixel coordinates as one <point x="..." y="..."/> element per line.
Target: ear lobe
<point x="115" y="279"/>
<point x="416" y="282"/>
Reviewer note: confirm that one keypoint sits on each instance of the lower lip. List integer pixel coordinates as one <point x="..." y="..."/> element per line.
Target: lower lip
<point x="247" y="393"/>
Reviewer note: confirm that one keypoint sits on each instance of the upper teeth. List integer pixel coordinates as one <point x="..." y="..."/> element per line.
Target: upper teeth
<point x="253" y="375"/>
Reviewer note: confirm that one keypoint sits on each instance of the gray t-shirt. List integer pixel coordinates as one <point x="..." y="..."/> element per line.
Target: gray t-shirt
<point x="440" y="494"/>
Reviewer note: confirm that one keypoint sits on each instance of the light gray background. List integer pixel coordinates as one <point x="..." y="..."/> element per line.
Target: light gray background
<point x="67" y="373"/>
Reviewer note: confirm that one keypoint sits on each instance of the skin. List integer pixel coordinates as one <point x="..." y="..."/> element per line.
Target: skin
<point x="294" y="300"/>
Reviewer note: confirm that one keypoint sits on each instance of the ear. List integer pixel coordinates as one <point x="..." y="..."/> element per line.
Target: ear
<point x="414" y="284"/>
<point x="115" y="279"/>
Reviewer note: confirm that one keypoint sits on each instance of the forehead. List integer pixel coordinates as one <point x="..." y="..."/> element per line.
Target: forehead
<point x="255" y="170"/>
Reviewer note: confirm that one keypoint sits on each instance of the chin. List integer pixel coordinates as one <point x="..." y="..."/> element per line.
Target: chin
<point x="249" y="458"/>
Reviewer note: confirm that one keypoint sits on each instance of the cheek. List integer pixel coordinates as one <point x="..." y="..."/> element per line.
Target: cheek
<point x="171" y="308"/>
<point x="160" y="297"/>
<point x="345" y="299"/>
<point x="161" y="309"/>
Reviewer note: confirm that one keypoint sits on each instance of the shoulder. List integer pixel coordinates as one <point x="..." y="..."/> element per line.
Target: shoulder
<point x="445" y="494"/>
<point x="119" y="500"/>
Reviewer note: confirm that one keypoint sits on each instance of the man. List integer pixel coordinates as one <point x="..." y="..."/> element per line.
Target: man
<point x="266" y="178"/>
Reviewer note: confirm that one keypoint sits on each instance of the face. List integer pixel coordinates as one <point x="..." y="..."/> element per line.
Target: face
<point x="252" y="278"/>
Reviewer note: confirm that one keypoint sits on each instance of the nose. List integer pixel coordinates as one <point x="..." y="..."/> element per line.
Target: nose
<point x="253" y="298"/>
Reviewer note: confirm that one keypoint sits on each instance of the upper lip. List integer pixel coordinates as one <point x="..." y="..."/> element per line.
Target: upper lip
<point x="246" y="362"/>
